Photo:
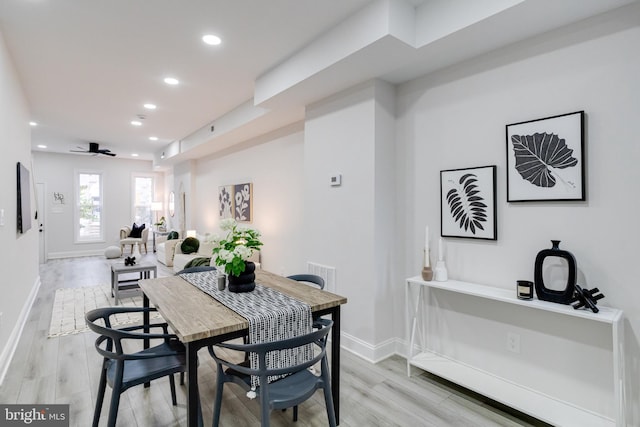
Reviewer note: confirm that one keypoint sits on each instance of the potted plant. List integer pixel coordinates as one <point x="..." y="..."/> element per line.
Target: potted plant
<point x="161" y="225"/>
<point x="232" y="253"/>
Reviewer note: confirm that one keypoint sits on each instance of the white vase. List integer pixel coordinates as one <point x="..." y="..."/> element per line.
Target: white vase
<point x="440" y="272"/>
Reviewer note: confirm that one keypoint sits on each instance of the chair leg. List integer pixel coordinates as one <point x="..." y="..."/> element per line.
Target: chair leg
<point x="218" y="404"/>
<point x="181" y="378"/>
<point x="100" y="398"/>
<point x="172" y="384"/>
<point x="115" y="397"/>
<point x="265" y="412"/>
<point x="328" y="401"/>
<point x="295" y="413"/>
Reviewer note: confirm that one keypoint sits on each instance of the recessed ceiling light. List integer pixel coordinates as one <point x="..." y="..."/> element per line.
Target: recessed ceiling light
<point x="153" y="138"/>
<point x="42" y="146"/>
<point x="33" y="124"/>
<point x="150" y="106"/>
<point x="171" y="81"/>
<point x="134" y="154"/>
<point x="211" y="40"/>
<point x="136" y="123"/>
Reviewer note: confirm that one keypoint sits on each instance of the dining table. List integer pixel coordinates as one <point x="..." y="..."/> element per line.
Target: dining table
<point x="199" y="320"/>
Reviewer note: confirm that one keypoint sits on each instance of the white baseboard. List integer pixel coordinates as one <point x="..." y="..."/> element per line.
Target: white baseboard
<point x="75" y="254"/>
<point x="369" y="352"/>
<point x="11" y="345"/>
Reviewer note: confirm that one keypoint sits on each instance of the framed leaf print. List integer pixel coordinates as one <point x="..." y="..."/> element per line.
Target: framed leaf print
<point x="545" y="159"/>
<point x="468" y="203"/>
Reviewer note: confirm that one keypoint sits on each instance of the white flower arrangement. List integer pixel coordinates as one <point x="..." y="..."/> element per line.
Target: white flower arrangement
<point x="236" y="247"/>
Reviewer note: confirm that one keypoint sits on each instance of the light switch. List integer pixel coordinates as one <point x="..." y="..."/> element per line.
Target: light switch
<point x="336" y="180"/>
<point x="1" y="217"/>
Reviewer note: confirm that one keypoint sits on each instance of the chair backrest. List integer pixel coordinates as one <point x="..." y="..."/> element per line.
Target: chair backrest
<point x="124" y="232"/>
<point x="317" y="338"/>
<point x="311" y="278"/>
<point x="111" y="337"/>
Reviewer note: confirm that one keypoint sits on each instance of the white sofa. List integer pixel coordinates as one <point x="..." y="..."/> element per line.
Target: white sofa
<point x="170" y="254"/>
<point x="181" y="259"/>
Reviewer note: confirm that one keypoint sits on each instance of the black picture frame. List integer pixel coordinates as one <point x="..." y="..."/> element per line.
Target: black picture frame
<point x="468" y="205"/>
<point x="24" y="198"/>
<point x="545" y="159"/>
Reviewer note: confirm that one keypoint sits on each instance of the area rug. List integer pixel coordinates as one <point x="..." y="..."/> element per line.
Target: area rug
<point x="70" y="305"/>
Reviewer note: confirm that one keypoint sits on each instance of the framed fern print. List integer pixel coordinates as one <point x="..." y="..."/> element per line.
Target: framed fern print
<point x="468" y="203"/>
<point x="545" y="159"/>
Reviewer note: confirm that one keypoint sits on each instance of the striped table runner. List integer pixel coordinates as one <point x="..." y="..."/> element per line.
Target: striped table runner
<point x="272" y="316"/>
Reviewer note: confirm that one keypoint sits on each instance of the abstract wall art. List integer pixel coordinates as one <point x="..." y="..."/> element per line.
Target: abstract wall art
<point x="468" y="203"/>
<point x="236" y="201"/>
<point x="545" y="159"/>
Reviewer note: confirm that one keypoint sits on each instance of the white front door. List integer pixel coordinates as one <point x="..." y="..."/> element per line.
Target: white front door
<point x="40" y="205"/>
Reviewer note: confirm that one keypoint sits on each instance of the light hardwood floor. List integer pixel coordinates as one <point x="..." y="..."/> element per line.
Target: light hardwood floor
<point x="65" y="370"/>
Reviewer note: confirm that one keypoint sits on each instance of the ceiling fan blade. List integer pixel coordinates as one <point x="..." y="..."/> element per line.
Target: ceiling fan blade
<point x="108" y="153"/>
<point x="78" y="151"/>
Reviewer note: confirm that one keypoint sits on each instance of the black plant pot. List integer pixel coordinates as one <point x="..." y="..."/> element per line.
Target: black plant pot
<point x="245" y="282"/>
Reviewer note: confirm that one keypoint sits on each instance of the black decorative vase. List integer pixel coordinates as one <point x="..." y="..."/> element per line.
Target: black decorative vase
<point x="246" y="281"/>
<point x="560" y="296"/>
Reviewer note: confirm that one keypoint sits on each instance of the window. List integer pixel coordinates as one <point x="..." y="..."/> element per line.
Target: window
<point x="143" y="186"/>
<point x="89" y="222"/>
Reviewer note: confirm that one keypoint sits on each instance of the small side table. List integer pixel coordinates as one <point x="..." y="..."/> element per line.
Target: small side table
<point x="159" y="233"/>
<point x="119" y="286"/>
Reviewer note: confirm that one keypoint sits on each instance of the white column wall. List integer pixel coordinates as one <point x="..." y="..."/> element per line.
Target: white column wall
<point x="349" y="226"/>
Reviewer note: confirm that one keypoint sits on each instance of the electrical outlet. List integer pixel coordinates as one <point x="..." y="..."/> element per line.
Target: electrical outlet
<point x="513" y="342"/>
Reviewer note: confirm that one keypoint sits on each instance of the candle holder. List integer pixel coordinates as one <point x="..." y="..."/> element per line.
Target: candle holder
<point x="440" y="273"/>
<point x="525" y="289"/>
<point x="427" y="272"/>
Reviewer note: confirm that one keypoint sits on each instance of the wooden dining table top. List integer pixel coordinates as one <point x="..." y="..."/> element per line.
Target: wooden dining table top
<point x="194" y="315"/>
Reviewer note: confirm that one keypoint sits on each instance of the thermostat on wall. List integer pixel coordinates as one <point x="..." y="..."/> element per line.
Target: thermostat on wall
<point x="336" y="180"/>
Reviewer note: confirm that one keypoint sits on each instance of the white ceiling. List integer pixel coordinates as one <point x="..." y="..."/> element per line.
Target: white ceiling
<point x="87" y="67"/>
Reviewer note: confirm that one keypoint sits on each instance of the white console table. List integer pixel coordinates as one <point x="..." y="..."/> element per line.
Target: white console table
<point x="556" y="410"/>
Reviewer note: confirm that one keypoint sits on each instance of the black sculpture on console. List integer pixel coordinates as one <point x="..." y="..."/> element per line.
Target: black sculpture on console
<point x="563" y="296"/>
<point x="130" y="260"/>
<point x="586" y="297"/>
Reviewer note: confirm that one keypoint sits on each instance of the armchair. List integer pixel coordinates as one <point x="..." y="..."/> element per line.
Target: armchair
<point x="127" y="239"/>
<point x="165" y="251"/>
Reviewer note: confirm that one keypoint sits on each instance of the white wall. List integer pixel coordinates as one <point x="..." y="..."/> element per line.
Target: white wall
<point x="275" y="168"/>
<point x="19" y="260"/>
<point x="57" y="172"/>
<point x="350" y="227"/>
<point x="457" y="118"/>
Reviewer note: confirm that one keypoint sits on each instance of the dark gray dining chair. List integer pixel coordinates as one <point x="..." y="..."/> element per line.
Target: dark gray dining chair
<point x="122" y="370"/>
<point x="310" y="278"/>
<point x="297" y="386"/>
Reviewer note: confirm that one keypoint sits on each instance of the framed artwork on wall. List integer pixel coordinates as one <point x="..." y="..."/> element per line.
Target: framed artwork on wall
<point x="24" y="198"/>
<point x="225" y="201"/>
<point x="545" y="159"/>
<point x="468" y="203"/>
<point x="243" y="202"/>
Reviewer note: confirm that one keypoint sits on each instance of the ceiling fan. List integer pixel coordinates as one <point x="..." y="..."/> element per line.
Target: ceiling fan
<point x="94" y="148"/>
